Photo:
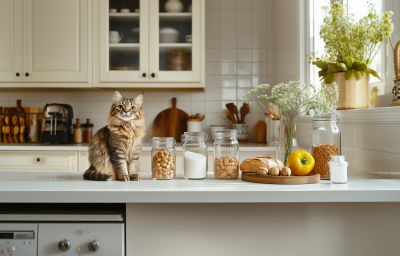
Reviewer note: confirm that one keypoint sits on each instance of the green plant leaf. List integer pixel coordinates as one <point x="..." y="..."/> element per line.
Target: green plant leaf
<point x="373" y="72"/>
<point x="348" y="74"/>
<point x="322" y="73"/>
<point x="321" y="64"/>
<point x="329" y="78"/>
<point x="361" y="67"/>
<point x="342" y="66"/>
<point x="358" y="75"/>
<point x="333" y="68"/>
<point x="349" y="63"/>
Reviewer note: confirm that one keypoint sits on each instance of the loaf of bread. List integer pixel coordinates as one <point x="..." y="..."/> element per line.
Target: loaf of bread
<point x="251" y="164"/>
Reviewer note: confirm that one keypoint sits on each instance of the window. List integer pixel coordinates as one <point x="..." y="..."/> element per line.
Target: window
<point x="316" y="44"/>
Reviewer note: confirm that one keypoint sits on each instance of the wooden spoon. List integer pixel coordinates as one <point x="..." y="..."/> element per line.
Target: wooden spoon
<point x="235" y="109"/>
<point x="231" y="108"/>
<point x="197" y="116"/>
<point x="202" y="118"/>
<point x="230" y="117"/>
<point x="244" y="110"/>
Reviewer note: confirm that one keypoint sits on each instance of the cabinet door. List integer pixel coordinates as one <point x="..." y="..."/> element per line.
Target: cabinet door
<point x="176" y="40"/>
<point x="57" y="39"/>
<point x="123" y="40"/>
<point x="10" y="40"/>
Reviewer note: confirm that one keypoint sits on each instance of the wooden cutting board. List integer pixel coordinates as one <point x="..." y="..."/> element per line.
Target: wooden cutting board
<point x="288" y="180"/>
<point x="171" y="122"/>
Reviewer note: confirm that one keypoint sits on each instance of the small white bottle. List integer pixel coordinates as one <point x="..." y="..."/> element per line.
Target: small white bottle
<point x="338" y="169"/>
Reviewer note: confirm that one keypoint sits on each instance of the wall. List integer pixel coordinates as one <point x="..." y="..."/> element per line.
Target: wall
<point x="245" y="46"/>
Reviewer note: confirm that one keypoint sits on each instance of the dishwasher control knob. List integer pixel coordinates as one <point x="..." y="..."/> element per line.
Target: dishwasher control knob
<point x="11" y="248"/>
<point x="94" y="246"/>
<point x="64" y="245"/>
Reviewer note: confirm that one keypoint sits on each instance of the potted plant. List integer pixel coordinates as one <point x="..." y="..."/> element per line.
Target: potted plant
<point x="350" y="48"/>
<point x="293" y="99"/>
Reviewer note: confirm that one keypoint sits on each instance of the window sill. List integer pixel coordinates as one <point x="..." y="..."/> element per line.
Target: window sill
<point x="367" y="115"/>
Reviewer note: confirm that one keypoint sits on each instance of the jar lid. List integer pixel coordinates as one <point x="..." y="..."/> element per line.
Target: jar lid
<point x="194" y="136"/>
<point x="77" y="124"/>
<point x="326" y="118"/>
<point x="224" y="134"/>
<point x="168" y="140"/>
<point x="88" y="124"/>
<point x="217" y="125"/>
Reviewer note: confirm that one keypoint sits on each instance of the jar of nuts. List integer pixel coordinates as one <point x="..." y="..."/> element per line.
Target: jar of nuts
<point x="226" y="154"/>
<point x="324" y="142"/>
<point x="163" y="158"/>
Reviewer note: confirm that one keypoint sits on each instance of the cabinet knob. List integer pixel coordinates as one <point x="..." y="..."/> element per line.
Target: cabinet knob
<point x="26" y="74"/>
<point x="17" y="74"/>
<point x="144" y="75"/>
<point x="153" y="75"/>
<point x="38" y="159"/>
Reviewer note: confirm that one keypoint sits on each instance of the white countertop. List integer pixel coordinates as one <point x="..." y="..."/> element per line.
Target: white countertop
<point x="28" y="187"/>
<point x="146" y="146"/>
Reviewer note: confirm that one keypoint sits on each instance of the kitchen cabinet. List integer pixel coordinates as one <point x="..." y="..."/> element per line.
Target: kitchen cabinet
<point x="39" y="161"/>
<point x="45" y="41"/>
<point x="135" y="55"/>
<point x="11" y="41"/>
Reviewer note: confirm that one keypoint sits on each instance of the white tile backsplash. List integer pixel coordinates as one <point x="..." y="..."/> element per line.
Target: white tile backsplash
<point x="383" y="137"/>
<point x="395" y="139"/>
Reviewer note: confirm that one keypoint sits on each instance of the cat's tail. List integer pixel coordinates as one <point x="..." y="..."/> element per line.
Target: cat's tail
<point x="92" y="174"/>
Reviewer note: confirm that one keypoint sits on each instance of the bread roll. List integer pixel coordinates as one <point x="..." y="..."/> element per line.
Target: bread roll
<point x="251" y="164"/>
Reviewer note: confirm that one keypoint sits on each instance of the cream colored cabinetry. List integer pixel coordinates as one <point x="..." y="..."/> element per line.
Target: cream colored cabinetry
<point x="149" y="46"/>
<point x="43" y="161"/>
<point x="11" y="41"/>
<point x="49" y="43"/>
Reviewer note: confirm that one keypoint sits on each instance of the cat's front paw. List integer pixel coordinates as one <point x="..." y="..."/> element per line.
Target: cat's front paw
<point x="135" y="177"/>
<point x="124" y="178"/>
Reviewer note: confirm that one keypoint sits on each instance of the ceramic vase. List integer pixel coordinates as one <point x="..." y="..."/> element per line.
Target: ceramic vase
<point x="242" y="130"/>
<point x="353" y="94"/>
<point x="173" y="6"/>
<point x="396" y="94"/>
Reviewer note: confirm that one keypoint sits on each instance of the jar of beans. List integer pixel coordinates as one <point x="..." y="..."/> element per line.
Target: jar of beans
<point x="226" y="154"/>
<point x="324" y="142"/>
<point x="163" y="164"/>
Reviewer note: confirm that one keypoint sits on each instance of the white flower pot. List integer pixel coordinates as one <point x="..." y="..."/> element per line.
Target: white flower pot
<point x="352" y="94"/>
<point x="173" y="6"/>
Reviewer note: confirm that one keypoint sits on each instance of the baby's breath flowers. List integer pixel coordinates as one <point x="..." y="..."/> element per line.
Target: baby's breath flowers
<point x="350" y="46"/>
<point x="294" y="99"/>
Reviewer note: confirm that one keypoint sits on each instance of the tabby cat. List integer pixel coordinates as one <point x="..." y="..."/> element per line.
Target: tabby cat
<point x="114" y="149"/>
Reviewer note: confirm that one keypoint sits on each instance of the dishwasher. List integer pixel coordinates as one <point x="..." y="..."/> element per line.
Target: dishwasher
<point x="61" y="230"/>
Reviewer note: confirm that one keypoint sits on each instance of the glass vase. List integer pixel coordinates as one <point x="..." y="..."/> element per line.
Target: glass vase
<point x="287" y="139"/>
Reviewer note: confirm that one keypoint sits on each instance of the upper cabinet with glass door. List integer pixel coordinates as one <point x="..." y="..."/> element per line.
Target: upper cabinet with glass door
<point x="149" y="43"/>
<point x="122" y="50"/>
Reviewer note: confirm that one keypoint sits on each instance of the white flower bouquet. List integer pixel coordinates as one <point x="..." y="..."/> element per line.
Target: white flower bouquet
<point x="294" y="99"/>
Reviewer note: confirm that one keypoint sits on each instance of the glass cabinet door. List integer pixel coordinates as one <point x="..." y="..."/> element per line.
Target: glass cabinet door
<point x="124" y="41"/>
<point x="175" y="40"/>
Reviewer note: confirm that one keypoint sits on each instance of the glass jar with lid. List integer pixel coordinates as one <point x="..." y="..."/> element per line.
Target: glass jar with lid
<point x="226" y="154"/>
<point x="163" y="155"/>
<point x="324" y="142"/>
<point x="195" y="155"/>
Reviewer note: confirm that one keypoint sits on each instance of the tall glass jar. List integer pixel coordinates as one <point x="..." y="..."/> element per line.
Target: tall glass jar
<point x="163" y="164"/>
<point x="195" y="155"/>
<point x="324" y="142"/>
<point x="226" y="154"/>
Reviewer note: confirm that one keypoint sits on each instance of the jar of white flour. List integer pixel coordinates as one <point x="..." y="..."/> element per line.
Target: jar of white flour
<point x="195" y="154"/>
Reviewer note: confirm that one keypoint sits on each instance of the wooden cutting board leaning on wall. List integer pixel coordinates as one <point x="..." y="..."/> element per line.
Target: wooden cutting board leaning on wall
<point x="171" y="122"/>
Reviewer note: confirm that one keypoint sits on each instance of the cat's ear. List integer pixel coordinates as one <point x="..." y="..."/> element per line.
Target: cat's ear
<point x="116" y="97"/>
<point x="138" y="101"/>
